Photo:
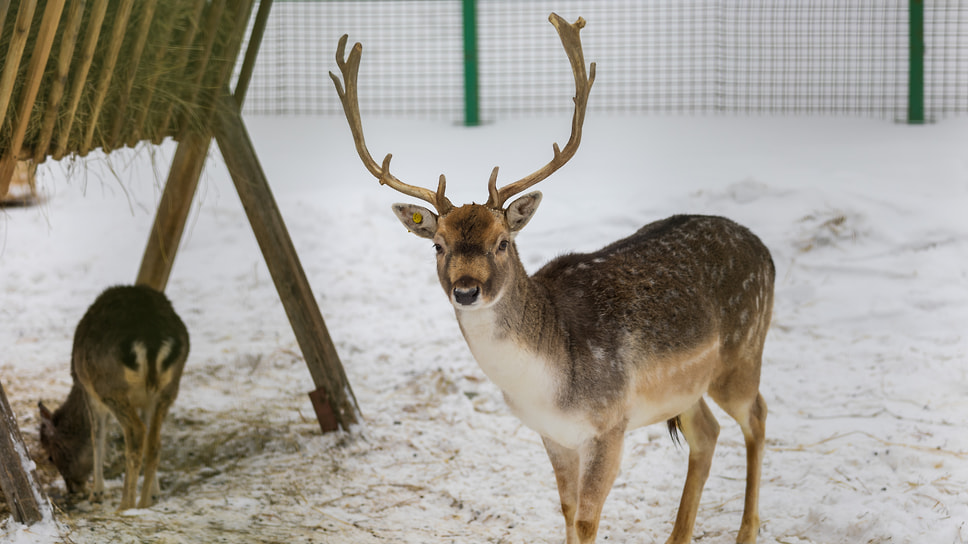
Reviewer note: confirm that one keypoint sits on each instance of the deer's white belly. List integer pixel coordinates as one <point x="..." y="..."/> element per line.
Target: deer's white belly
<point x="528" y="381"/>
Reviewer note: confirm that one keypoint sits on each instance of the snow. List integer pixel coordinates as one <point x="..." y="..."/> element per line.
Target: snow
<point x="865" y="369"/>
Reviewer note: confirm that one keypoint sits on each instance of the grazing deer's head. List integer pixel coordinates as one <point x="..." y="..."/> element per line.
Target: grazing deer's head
<point x="65" y="436"/>
<point x="476" y="255"/>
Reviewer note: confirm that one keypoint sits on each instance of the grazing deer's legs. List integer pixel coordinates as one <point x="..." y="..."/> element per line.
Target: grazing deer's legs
<point x="147" y="415"/>
<point x="134" y="439"/>
<point x="152" y="453"/>
<point x="600" y="460"/>
<point x="99" y="432"/>
<point x="565" y="462"/>
<point x="129" y="351"/>
<point x="701" y="430"/>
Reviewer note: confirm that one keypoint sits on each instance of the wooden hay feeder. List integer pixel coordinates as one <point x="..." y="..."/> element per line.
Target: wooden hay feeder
<point x="80" y="75"/>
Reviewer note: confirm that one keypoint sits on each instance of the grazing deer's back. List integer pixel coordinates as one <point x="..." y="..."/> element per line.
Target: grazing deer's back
<point x="674" y="284"/>
<point x="135" y="326"/>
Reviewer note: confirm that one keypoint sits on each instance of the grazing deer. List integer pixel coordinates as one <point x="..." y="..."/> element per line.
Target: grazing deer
<point x="593" y="345"/>
<point x="129" y="351"/>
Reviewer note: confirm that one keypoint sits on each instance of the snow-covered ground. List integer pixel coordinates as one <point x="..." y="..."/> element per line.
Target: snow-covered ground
<point x="865" y="373"/>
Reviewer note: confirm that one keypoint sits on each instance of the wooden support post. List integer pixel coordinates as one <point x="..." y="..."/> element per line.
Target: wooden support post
<point x="284" y="267"/>
<point x="18" y="480"/>
<point x="176" y="201"/>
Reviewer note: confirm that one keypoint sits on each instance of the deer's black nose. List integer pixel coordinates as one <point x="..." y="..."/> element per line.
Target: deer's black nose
<point x="466" y="295"/>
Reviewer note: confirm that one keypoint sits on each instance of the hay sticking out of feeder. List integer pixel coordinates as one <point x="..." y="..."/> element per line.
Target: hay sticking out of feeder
<point x="119" y="72"/>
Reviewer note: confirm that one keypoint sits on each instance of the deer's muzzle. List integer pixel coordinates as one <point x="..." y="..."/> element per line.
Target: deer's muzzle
<point x="467" y="296"/>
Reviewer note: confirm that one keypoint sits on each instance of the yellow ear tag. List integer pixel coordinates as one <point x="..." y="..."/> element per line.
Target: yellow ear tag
<point x="417" y="218"/>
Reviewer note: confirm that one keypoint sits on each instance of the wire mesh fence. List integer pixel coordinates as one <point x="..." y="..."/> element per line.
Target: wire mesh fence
<point x="848" y="57"/>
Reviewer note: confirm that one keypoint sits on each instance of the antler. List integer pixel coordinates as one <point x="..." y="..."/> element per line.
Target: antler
<point x="350" y="68"/>
<point x="583" y="84"/>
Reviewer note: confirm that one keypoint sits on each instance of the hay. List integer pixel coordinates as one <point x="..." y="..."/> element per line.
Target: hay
<point x="108" y="83"/>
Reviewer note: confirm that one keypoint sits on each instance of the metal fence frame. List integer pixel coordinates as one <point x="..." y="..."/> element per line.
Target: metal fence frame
<point x="481" y="60"/>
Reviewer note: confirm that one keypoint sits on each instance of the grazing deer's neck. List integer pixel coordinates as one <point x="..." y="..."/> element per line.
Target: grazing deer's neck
<point x="71" y="418"/>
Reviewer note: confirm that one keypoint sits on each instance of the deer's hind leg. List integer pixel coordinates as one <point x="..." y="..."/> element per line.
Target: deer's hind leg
<point x="152" y="451"/>
<point x="751" y="416"/>
<point x="700" y="429"/>
<point x="738" y="395"/>
<point x="134" y="440"/>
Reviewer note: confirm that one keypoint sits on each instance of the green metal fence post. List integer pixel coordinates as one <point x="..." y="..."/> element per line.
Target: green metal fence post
<point x="471" y="96"/>
<point x="916" y="62"/>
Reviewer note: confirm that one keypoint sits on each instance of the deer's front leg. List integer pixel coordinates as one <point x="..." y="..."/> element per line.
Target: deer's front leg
<point x="566" y="464"/>
<point x="600" y="458"/>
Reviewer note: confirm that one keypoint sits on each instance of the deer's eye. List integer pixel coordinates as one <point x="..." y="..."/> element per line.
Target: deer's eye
<point x="503" y="246"/>
<point x="439" y="249"/>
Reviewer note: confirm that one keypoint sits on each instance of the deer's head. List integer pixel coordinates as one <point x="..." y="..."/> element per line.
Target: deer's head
<point x="475" y="248"/>
<point x="68" y="445"/>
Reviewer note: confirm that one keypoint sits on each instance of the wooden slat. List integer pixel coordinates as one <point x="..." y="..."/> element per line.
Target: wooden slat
<point x="79" y="83"/>
<point x="184" y="46"/>
<point x="283" y="262"/>
<point x="134" y="56"/>
<point x="252" y="51"/>
<point x="15" y="51"/>
<point x="35" y="74"/>
<point x="70" y="33"/>
<point x="220" y="74"/>
<point x="107" y="73"/>
<point x="18" y="40"/>
<point x="208" y="36"/>
<point x="4" y="6"/>
<point x="164" y="30"/>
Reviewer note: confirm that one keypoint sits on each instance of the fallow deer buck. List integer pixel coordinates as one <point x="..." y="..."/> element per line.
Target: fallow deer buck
<point x="593" y="345"/>
<point x="129" y="352"/>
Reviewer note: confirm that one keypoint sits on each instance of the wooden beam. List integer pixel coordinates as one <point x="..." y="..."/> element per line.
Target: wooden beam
<point x="176" y="202"/>
<point x="284" y="266"/>
<point x="18" y="480"/>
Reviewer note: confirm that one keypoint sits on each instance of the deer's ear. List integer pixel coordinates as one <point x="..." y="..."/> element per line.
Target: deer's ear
<point x="47" y="430"/>
<point x="45" y="414"/>
<point x="417" y="219"/>
<point x="522" y="210"/>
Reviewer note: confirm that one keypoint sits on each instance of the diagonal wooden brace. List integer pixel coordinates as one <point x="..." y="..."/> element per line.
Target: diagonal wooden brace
<point x="283" y="262"/>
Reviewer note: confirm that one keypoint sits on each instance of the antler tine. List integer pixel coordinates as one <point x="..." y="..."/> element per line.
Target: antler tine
<point x="350" y="68"/>
<point x="571" y="41"/>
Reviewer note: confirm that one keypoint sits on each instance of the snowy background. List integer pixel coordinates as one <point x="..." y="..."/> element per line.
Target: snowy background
<point x="865" y="369"/>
